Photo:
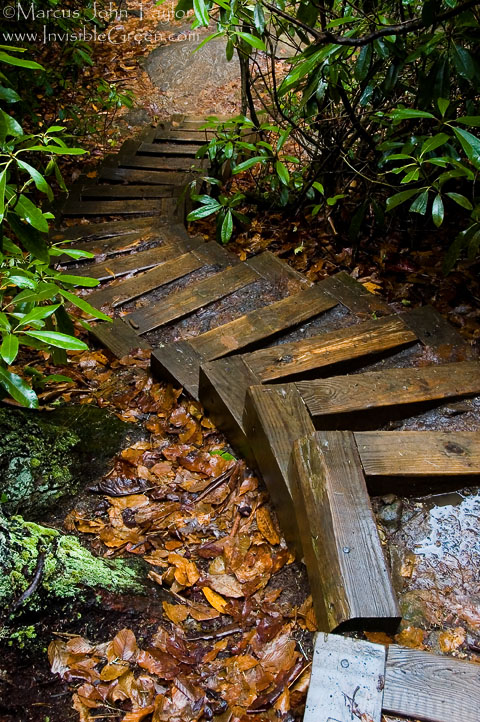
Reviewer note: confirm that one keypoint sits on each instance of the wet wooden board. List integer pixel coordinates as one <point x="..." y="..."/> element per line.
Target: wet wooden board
<point x="244" y="331"/>
<point x="118" y="337"/>
<point x="356" y="297"/>
<point x="434" y="330"/>
<point x="370" y="337"/>
<point x="173" y="149"/>
<point x="347" y="680"/>
<point x="350" y="582"/>
<point x="173" y="135"/>
<point x="285" y="360"/>
<point x="419" y="453"/>
<point x="275" y="417"/>
<point x="130" y="175"/>
<point x="117" y="190"/>
<point x="164" y="163"/>
<point x="424" y="686"/>
<point x="112" y="245"/>
<point x="102" y="230"/>
<point x="141" y="261"/>
<point x="198" y="295"/>
<point x="168" y="271"/>
<point x="388" y="388"/>
<point x="165" y="206"/>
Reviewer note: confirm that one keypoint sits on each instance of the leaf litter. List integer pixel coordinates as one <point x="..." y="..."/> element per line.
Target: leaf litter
<point x="230" y="646"/>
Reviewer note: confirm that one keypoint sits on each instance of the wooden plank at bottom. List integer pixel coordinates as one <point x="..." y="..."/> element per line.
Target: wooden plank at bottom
<point x="178" y="363"/>
<point x="419" y="453"/>
<point x="390" y="387"/>
<point x="348" y="573"/>
<point x="119" y="338"/>
<point x="275" y="416"/>
<point x="347" y="680"/>
<point x="430" y="687"/>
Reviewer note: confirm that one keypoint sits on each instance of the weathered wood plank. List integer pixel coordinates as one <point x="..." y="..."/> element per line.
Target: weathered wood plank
<point x="222" y="391"/>
<point x="355" y="296"/>
<point x="130" y="175"/>
<point x="419" y="453"/>
<point x="390" y="387"/>
<point x="262" y="323"/>
<point x="119" y="338"/>
<point x="153" y="207"/>
<point x="432" y="329"/>
<point x="173" y="149"/>
<point x="137" y="286"/>
<point x="120" y="266"/>
<point x="117" y="190"/>
<point x="369" y="337"/>
<point x="273" y="269"/>
<point x="178" y="363"/>
<point x="194" y="135"/>
<point x="102" y="230"/>
<point x="349" y="578"/>
<point x="196" y="296"/>
<point x="429" y="687"/>
<point x="164" y="163"/>
<point x="347" y="680"/>
<point x="275" y="416"/>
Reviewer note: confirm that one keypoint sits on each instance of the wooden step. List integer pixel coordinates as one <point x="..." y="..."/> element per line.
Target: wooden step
<point x="127" y="192"/>
<point x="347" y="677"/>
<point x="140" y="261"/>
<point x="352" y="679"/>
<point x="424" y="686"/>
<point x="119" y="338"/>
<point x="419" y="453"/>
<point x="174" y="135"/>
<point x="336" y="399"/>
<point x="113" y="245"/>
<point x="350" y="582"/>
<point x="166" y="163"/>
<point x="222" y="400"/>
<point x="201" y="254"/>
<point x="172" y="149"/>
<point x="198" y="295"/>
<point x="102" y="230"/>
<point x="154" y="177"/>
<point x="162" y="206"/>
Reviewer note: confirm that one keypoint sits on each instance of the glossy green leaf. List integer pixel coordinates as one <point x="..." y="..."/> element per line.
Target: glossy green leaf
<point x="84" y="306"/>
<point x="204" y="211"/>
<point x="438" y="210"/>
<point x="252" y="40"/>
<point x="259" y="18"/>
<point x="59" y="340"/>
<point x="470" y="144"/>
<point x="282" y="172"/>
<point x="16" y="387"/>
<point x="461" y="200"/>
<point x="420" y="204"/>
<point x="248" y="163"/>
<point x="9" y="348"/>
<point x="434" y="142"/>
<point x="201" y="12"/>
<point x="399" y="198"/>
<point x="19" y="62"/>
<point x="227" y="227"/>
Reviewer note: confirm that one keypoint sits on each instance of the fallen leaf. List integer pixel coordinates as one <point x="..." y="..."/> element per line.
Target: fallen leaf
<point x="265" y="526"/>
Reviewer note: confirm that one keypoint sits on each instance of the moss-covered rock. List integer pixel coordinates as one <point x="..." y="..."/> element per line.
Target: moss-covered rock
<point x="67" y="568"/>
<point x="45" y="456"/>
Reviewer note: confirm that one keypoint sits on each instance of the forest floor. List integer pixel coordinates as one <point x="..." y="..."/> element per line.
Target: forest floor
<point x="225" y="628"/>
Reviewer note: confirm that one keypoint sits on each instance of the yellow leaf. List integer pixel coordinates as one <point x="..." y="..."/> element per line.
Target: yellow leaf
<point x="177" y="613"/>
<point x="215" y="599"/>
<point x="265" y="526"/>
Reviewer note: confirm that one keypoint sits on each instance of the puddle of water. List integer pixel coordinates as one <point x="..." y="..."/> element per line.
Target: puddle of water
<point x="453" y="521"/>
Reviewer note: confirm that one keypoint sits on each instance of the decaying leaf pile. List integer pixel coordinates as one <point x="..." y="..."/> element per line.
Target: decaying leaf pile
<point x="229" y="646"/>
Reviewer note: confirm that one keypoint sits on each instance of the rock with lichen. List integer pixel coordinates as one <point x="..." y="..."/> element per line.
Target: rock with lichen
<point x="39" y="565"/>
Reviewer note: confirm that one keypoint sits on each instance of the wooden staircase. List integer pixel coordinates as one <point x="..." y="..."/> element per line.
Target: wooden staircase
<point x="303" y="378"/>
